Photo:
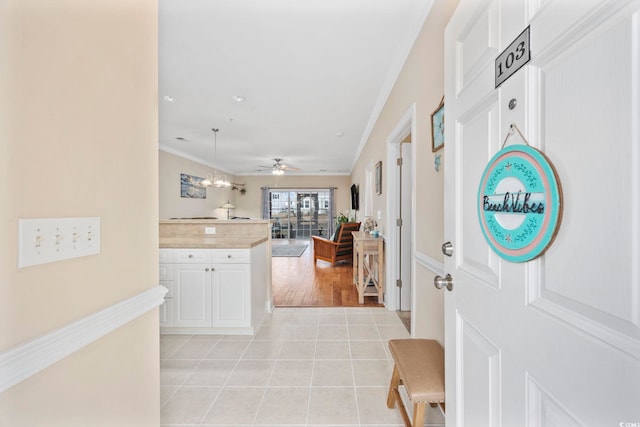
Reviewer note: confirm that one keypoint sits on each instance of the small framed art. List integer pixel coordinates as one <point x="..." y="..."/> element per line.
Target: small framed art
<point x="191" y="187"/>
<point x="437" y="127"/>
<point x="379" y="177"/>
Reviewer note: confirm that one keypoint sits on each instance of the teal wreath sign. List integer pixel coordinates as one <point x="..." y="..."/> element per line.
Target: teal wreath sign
<point x="519" y="203"/>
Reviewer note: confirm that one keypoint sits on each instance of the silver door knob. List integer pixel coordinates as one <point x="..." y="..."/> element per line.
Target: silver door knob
<point x="447" y="248"/>
<point x="443" y="282"/>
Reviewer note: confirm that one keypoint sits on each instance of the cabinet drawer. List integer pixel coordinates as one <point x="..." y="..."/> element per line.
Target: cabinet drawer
<point x="165" y="255"/>
<point x="231" y="256"/>
<point x="191" y="256"/>
<point x="165" y="272"/>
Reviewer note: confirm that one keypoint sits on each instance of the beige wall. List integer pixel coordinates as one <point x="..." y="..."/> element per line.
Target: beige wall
<point x="247" y="205"/>
<point x="174" y="206"/>
<point x="421" y="81"/>
<point x="78" y="133"/>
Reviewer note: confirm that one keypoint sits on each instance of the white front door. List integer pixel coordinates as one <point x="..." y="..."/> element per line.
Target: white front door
<point x="554" y="341"/>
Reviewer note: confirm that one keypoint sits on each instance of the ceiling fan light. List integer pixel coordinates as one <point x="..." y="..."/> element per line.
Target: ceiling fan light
<point x="277" y="172"/>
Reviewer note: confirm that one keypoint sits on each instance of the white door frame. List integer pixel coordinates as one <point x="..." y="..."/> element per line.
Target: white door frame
<point x="405" y="126"/>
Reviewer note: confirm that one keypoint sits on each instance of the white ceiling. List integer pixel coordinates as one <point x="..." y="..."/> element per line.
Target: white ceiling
<point x="308" y="69"/>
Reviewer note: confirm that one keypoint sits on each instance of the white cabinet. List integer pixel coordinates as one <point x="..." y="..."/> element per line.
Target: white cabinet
<point x="231" y="295"/>
<point x="213" y="290"/>
<point x="192" y="295"/>
<point x="166" y="280"/>
<point x="166" y="309"/>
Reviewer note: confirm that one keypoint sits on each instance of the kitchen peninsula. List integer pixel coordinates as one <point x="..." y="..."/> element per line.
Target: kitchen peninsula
<point x="218" y="273"/>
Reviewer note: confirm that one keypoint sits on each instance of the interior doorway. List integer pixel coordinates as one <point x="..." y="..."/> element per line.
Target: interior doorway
<point x="400" y="221"/>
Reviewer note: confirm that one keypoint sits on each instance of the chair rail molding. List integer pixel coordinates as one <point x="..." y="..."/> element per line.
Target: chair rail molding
<point x="430" y="263"/>
<point x="35" y="355"/>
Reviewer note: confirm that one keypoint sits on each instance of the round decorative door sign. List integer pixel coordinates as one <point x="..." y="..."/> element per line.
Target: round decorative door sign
<point x="519" y="203"/>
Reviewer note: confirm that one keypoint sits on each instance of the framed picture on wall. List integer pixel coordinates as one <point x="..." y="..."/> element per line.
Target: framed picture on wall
<point x="191" y="187"/>
<point x="379" y="177"/>
<point x="437" y="127"/>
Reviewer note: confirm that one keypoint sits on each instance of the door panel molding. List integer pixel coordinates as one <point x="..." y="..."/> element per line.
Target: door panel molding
<point x="545" y="410"/>
<point x="598" y="308"/>
<point x="479" y="396"/>
<point x="477" y="46"/>
<point x="478" y="127"/>
<point x="550" y="37"/>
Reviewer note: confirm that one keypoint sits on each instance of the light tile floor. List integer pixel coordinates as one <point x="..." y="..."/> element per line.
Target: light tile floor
<point x="304" y="367"/>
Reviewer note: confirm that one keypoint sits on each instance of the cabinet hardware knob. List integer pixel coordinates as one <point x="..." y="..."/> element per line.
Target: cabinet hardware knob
<point x="206" y="269"/>
<point x="190" y="255"/>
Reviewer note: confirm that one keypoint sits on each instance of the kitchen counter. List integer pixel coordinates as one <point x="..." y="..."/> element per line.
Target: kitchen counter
<point x="212" y="232"/>
<point x="214" y="221"/>
<point x="211" y="242"/>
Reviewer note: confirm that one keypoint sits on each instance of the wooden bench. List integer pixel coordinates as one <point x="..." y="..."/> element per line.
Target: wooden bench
<point x="419" y="366"/>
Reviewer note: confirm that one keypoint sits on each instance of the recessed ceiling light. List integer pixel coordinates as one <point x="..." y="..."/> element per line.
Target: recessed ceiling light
<point x="168" y="98"/>
<point x="238" y="98"/>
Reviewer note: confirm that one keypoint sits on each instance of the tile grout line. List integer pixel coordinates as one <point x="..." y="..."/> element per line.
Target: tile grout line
<point x="313" y="368"/>
<point x="222" y="387"/>
<point x="266" y="387"/>
<point x="353" y="375"/>
<point x="179" y="386"/>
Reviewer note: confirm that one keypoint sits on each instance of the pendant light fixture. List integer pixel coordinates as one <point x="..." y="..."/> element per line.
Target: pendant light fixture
<point x="215" y="180"/>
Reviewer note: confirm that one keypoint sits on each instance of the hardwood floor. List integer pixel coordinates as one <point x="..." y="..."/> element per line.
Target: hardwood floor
<point x="298" y="282"/>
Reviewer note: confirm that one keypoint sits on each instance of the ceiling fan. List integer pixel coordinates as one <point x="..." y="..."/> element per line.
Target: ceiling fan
<point x="278" y="168"/>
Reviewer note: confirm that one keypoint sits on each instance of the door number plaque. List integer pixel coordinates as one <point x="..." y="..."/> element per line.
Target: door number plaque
<point x="514" y="57"/>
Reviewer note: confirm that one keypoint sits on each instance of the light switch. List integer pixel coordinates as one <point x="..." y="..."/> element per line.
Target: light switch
<point x="209" y="230"/>
<point x="44" y="240"/>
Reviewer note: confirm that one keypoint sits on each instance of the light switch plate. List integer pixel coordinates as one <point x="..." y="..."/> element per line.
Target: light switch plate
<point x="44" y="240"/>
<point x="209" y="230"/>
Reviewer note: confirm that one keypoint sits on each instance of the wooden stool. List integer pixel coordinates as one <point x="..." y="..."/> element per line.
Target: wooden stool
<point x="419" y="366"/>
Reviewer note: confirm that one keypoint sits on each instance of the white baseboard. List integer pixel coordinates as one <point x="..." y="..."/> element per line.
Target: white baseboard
<point x="33" y="356"/>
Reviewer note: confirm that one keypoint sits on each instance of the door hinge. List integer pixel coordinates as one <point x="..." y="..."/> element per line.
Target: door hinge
<point x="399" y="222"/>
<point x="399" y="161"/>
<point x="399" y="283"/>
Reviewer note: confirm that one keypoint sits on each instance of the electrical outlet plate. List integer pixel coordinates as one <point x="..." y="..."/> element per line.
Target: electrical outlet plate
<point x="209" y="230"/>
<point x="44" y="240"/>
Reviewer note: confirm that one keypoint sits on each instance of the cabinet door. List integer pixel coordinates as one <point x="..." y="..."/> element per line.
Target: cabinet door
<point x="231" y="297"/>
<point x="166" y="309"/>
<point x="192" y="295"/>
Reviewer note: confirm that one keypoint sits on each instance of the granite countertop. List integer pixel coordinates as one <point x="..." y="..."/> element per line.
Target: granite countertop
<point x="214" y="221"/>
<point x="211" y="242"/>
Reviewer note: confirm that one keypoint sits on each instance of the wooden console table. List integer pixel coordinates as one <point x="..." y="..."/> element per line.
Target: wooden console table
<point x="368" y="265"/>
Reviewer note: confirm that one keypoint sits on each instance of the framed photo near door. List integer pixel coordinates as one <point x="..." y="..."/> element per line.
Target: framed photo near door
<point x="379" y="177"/>
<point x="437" y="127"/>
